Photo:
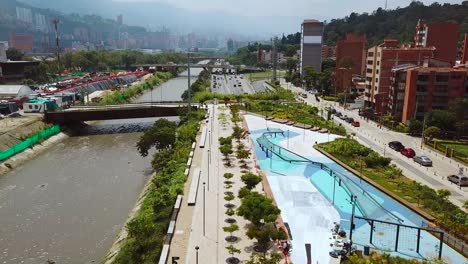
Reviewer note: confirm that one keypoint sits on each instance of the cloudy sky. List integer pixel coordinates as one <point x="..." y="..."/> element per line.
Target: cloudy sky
<point x="323" y="9"/>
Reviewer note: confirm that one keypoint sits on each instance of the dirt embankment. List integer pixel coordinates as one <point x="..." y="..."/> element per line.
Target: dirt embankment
<point x="16" y="130"/>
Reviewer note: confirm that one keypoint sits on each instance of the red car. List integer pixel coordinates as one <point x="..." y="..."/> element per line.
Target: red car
<point x="408" y="152"/>
<point x="356" y="124"/>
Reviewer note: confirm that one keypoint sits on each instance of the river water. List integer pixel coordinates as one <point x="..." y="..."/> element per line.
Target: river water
<point x="68" y="204"/>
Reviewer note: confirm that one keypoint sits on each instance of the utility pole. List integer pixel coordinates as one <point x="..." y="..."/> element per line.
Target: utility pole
<point x="422" y="133"/>
<point x="189" y="88"/>
<point x="56" y="22"/>
<point x="274" y="56"/>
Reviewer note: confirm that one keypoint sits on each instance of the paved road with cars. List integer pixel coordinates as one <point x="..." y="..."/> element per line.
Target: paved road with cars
<point x="377" y="138"/>
<point x="230" y="83"/>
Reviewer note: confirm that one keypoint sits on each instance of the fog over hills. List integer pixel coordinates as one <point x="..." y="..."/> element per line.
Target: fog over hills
<point x="155" y="15"/>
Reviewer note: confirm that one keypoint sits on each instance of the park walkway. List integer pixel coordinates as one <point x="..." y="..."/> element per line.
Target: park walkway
<point x="202" y="225"/>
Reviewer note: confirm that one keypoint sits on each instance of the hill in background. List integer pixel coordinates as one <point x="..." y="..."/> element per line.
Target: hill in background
<point x="399" y="23"/>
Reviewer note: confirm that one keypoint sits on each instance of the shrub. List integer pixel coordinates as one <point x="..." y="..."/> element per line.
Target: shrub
<point x="251" y="180"/>
<point x="375" y="160"/>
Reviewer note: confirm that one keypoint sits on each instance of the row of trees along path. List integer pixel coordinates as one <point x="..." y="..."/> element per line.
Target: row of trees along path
<point x="248" y="214"/>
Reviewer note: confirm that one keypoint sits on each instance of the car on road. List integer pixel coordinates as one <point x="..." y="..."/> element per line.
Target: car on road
<point x="408" y="152"/>
<point x="458" y="179"/>
<point x="338" y="114"/>
<point x="396" y="145"/>
<point x="343" y="117"/>
<point x="349" y="120"/>
<point x="356" y="124"/>
<point x="423" y="160"/>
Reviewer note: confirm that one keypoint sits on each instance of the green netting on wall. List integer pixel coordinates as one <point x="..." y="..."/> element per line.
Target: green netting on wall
<point x="29" y="142"/>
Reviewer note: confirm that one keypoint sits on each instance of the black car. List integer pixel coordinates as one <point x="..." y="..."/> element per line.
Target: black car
<point x="349" y="120"/>
<point x="338" y="114"/>
<point x="396" y="145"/>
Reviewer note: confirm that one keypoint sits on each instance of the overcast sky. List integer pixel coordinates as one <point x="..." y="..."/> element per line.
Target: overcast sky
<point x="322" y="9"/>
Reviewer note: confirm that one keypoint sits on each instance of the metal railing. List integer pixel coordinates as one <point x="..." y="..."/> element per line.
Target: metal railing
<point x="368" y="206"/>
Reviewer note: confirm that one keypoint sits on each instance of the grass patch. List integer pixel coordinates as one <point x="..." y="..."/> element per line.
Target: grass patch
<point x="257" y="76"/>
<point x="297" y="112"/>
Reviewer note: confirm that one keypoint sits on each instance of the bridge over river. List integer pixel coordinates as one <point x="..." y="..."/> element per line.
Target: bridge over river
<point x="139" y="110"/>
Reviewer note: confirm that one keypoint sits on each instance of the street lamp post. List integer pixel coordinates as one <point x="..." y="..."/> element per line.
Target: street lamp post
<point x="188" y="75"/>
<point x="196" y="254"/>
<point x="208" y="170"/>
<point x="204" y="209"/>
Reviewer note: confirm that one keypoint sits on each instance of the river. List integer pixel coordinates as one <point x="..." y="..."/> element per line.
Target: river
<point x="68" y="204"/>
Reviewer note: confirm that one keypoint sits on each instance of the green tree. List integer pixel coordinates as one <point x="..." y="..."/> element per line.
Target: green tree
<point x="242" y="155"/>
<point x="233" y="250"/>
<point x="256" y="207"/>
<point x="226" y="150"/>
<point x="251" y="180"/>
<point x="415" y="126"/>
<point x="14" y="54"/>
<point x="442" y="119"/>
<point x="274" y="258"/>
<point x="432" y="132"/>
<point x="244" y="191"/>
<point x="346" y="62"/>
<point x="229" y="198"/>
<point x="161" y="135"/>
<point x="231" y="229"/>
<point x="228" y="175"/>
<point x="238" y="133"/>
<point x="161" y="158"/>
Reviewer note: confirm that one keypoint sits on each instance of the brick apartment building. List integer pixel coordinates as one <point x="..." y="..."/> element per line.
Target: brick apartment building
<point x="311" y="45"/>
<point x="379" y="63"/>
<point x="352" y="48"/>
<point x="22" y="42"/>
<point x="464" y="52"/>
<point x="328" y="52"/>
<point x="442" y="35"/>
<point x="418" y="90"/>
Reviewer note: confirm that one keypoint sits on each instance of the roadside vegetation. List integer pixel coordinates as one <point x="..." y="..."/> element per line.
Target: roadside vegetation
<point x="202" y="84"/>
<point x="146" y="232"/>
<point x="127" y="94"/>
<point x="377" y="168"/>
<point x="296" y="112"/>
<point x="376" y="258"/>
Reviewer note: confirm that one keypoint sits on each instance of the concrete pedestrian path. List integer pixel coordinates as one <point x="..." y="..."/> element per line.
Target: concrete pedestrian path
<point x="202" y="225"/>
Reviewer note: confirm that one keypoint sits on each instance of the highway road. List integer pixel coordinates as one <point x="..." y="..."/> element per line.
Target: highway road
<point x="230" y="83"/>
<point x="370" y="135"/>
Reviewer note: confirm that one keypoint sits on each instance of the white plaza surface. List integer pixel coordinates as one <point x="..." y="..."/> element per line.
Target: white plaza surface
<point x="309" y="214"/>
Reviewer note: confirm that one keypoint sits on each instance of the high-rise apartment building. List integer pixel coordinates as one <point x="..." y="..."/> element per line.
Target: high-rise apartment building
<point x="442" y="35"/>
<point x="120" y="19"/>
<point x="421" y="89"/>
<point x="350" y="60"/>
<point x="22" y="42"/>
<point x="379" y="63"/>
<point x="311" y="45"/>
<point x="464" y="54"/>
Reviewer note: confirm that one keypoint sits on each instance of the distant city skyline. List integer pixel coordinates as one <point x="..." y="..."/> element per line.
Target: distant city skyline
<point x="321" y="9"/>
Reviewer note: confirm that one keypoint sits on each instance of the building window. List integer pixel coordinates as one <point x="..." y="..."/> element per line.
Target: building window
<point x="370" y="54"/>
<point x="423" y="78"/>
<point x="30" y="107"/>
<point x="369" y="62"/>
<point x="442" y="78"/>
<point x="369" y="70"/>
<point x="377" y="71"/>
<point x="378" y="63"/>
<point x="421" y="88"/>
<point x="441" y="88"/>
